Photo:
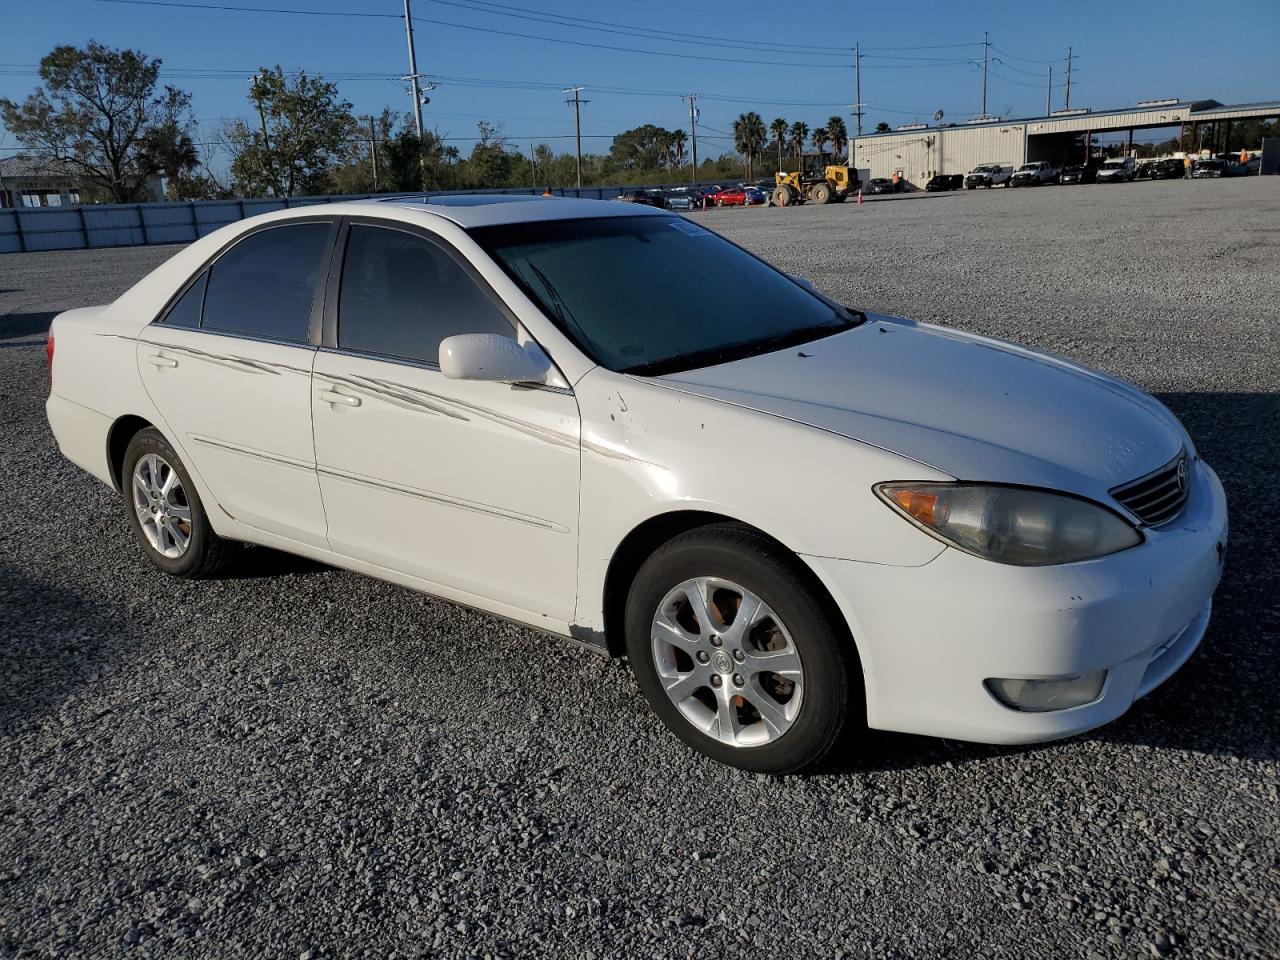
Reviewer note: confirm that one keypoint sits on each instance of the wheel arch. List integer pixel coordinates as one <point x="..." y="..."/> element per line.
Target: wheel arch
<point x="640" y="543"/>
<point x="123" y="430"/>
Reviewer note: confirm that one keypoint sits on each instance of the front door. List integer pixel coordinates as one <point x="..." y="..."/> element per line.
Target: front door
<point x="229" y="368"/>
<point x="471" y="486"/>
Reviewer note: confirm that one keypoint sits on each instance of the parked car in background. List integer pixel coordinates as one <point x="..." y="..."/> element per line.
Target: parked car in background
<point x="464" y="396"/>
<point x="880" y="185"/>
<point x="1080" y="173"/>
<point x="684" y="198"/>
<point x="987" y="175"/>
<point x="1117" y="170"/>
<point x="1211" y="168"/>
<point x="1169" y="168"/>
<point x="731" y="197"/>
<point x="1034" y="174"/>
<point x="945" y="181"/>
<point x="649" y="197"/>
<point x="708" y="194"/>
<point x="755" y="196"/>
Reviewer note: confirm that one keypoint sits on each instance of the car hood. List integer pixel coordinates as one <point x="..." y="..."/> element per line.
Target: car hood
<point x="968" y="406"/>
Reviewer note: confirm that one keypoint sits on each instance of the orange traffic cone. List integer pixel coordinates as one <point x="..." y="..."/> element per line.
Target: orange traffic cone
<point x="859" y="196"/>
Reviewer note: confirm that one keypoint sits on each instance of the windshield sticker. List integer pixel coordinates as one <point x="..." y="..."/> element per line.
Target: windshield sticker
<point x="692" y="229"/>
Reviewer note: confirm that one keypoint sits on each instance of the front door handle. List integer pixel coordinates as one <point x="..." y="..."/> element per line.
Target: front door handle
<point x="332" y="396"/>
<point x="158" y="360"/>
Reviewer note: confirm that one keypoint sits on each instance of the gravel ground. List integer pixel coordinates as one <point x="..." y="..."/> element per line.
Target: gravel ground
<point x="301" y="762"/>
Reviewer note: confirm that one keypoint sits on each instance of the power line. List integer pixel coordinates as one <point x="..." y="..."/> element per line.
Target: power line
<point x="185" y="4"/>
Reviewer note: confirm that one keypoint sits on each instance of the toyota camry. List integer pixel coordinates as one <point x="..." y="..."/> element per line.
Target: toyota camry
<point x="796" y="518"/>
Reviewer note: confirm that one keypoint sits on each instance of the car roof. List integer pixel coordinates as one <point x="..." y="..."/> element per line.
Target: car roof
<point x="493" y="209"/>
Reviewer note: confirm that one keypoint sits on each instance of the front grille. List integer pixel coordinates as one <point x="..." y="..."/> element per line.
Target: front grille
<point x="1159" y="496"/>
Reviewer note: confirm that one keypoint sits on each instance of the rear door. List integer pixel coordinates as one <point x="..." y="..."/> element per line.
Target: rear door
<point x="470" y="485"/>
<point x="229" y="368"/>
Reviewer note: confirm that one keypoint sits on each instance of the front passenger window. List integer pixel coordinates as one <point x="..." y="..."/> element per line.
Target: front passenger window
<point x="401" y="295"/>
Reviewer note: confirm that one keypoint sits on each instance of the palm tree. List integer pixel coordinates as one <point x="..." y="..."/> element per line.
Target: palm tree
<point x="799" y="133"/>
<point x="838" y="134"/>
<point x="780" y="130"/>
<point x="749" y="137"/>
<point x="678" y="140"/>
<point x="820" y="138"/>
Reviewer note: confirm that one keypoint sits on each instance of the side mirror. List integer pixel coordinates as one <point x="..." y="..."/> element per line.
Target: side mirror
<point x="490" y="356"/>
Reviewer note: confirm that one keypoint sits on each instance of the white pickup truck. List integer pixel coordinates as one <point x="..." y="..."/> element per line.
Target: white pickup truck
<point x="987" y="175"/>
<point x="1034" y="174"/>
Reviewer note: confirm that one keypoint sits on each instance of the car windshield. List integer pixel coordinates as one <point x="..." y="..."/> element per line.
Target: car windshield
<point x="1028" y="167"/>
<point x="989" y="169"/>
<point x="653" y="295"/>
<point x="1113" y="164"/>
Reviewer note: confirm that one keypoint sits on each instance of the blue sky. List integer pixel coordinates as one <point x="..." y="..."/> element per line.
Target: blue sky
<point x="1124" y="52"/>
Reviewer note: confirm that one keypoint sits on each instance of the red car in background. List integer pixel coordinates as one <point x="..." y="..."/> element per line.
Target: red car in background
<point x="737" y="197"/>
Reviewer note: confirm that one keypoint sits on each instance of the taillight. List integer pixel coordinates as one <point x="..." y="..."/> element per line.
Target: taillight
<point x="48" y="350"/>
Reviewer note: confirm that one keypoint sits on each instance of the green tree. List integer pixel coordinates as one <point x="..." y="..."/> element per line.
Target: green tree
<point x="749" y="138"/>
<point x="303" y="130"/>
<point x="799" y="133"/>
<point x="490" y="165"/>
<point x="170" y="148"/>
<point x="820" y="138"/>
<point x="641" y="148"/>
<point x="781" y="130"/>
<point x="839" y="135"/>
<point x="882" y="127"/>
<point x="96" y="111"/>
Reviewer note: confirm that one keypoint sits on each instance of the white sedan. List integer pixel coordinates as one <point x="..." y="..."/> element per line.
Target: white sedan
<point x="609" y="423"/>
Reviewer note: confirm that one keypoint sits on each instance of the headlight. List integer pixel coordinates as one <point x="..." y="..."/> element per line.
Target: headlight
<point x="1012" y="525"/>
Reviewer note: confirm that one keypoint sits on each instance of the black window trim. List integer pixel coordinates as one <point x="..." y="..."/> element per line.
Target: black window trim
<point x="329" y="330"/>
<point x="318" y="303"/>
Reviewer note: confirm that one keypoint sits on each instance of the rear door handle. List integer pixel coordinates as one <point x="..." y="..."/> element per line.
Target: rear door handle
<point x="332" y="396"/>
<point x="158" y="360"/>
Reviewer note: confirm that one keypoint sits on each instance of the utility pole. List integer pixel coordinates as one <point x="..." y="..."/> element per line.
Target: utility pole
<point x="857" y="73"/>
<point x="1066" y="103"/>
<point x="577" y="122"/>
<point x="413" y="70"/>
<point x="1048" y="93"/>
<point x="373" y="151"/>
<point x="693" y="134"/>
<point x="986" y="45"/>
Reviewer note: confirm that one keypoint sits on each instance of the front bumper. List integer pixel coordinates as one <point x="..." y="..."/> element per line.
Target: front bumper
<point x="929" y="636"/>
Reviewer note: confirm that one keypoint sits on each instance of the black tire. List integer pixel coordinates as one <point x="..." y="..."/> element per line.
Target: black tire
<point x="821" y="193"/>
<point x="735" y="553"/>
<point x="206" y="554"/>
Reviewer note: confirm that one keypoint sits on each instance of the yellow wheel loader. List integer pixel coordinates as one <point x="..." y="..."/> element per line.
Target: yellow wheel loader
<point x="817" y="181"/>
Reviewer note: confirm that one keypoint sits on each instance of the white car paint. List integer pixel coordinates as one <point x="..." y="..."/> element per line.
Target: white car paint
<point x="541" y="486"/>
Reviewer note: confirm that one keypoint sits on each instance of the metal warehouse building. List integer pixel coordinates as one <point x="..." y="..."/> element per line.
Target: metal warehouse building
<point x="921" y="151"/>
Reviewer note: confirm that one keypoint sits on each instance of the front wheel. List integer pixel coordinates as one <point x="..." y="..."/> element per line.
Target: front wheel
<point x="165" y="511"/>
<point x="737" y="653"/>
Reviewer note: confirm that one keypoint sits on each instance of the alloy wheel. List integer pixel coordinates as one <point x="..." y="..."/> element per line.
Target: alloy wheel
<point x="727" y="662"/>
<point x="161" y="503"/>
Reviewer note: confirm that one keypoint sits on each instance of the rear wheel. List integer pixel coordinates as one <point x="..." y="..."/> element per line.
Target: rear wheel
<point x="736" y="653"/>
<point x="166" y="513"/>
<point x="821" y="193"/>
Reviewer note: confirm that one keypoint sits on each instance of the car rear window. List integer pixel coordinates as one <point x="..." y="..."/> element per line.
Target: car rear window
<point x="266" y="284"/>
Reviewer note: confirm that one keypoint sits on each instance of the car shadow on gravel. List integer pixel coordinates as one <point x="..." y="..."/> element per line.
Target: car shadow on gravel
<point x="262" y="562"/>
<point x="25" y="324"/>
<point x="1225" y="700"/>
<point x="52" y="641"/>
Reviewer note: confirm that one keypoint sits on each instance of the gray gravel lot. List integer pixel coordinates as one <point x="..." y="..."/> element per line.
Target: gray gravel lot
<point x="301" y="762"/>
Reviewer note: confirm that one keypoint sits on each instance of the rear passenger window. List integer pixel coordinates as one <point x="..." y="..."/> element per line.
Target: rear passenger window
<point x="401" y="295"/>
<point x="265" y="285"/>
<point x="186" y="312"/>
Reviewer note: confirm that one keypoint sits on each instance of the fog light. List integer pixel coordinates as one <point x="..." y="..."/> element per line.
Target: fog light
<point x="1041" y="696"/>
